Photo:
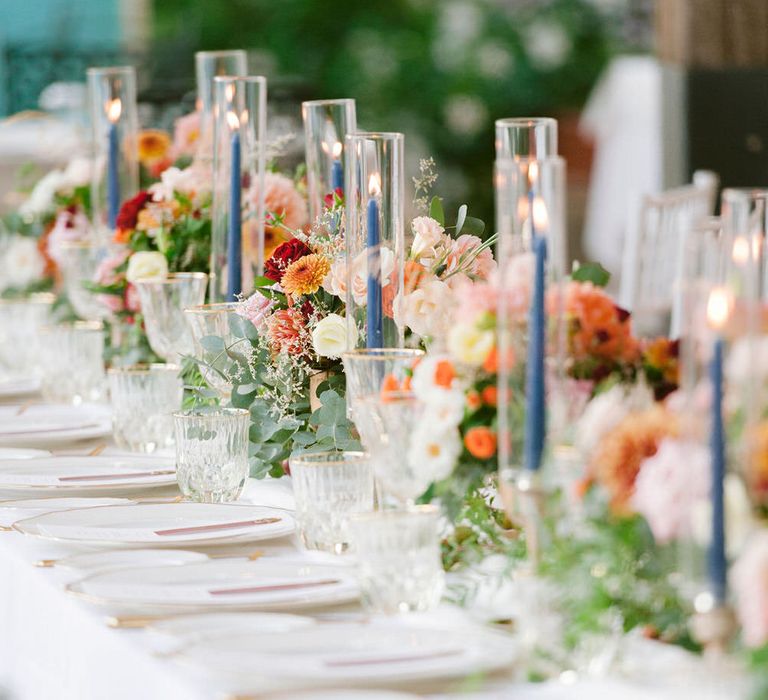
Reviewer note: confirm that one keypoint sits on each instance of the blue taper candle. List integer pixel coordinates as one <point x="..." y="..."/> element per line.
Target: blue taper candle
<point x="535" y="413"/>
<point x="337" y="176"/>
<point x="374" y="336"/>
<point x="718" y="565"/>
<point x="234" y="234"/>
<point x="113" y="178"/>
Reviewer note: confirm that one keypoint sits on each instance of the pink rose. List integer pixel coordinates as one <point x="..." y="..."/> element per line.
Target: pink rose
<point x="462" y="256"/>
<point x="749" y="579"/>
<point x="428" y="233"/>
<point x="256" y="308"/>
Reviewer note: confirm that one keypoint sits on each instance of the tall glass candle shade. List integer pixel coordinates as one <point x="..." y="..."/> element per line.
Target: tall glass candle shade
<point x="526" y="137"/>
<point x="326" y="124"/>
<point x="209" y="65"/>
<point x="240" y="126"/>
<point x="114" y="120"/>
<point x="375" y="234"/>
<point x="530" y="203"/>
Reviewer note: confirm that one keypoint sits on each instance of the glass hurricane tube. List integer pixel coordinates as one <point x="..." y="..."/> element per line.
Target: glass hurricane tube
<point x="374" y="187"/>
<point x="209" y="65"/>
<point x="526" y="137"/>
<point x="326" y="124"/>
<point x="240" y="125"/>
<point x="114" y="121"/>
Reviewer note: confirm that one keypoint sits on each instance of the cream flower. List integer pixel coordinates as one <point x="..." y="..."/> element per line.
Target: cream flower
<point x="427" y="234"/>
<point x="332" y="336"/>
<point x="750" y="584"/>
<point x="432" y="453"/>
<point x="359" y="274"/>
<point x="22" y="263"/>
<point x="40" y="199"/>
<point x="425" y="311"/>
<point x="146" y="265"/>
<point x="193" y="182"/>
<point x="470" y="345"/>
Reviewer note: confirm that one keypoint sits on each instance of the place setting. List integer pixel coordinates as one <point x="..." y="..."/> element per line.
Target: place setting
<point x="295" y="407"/>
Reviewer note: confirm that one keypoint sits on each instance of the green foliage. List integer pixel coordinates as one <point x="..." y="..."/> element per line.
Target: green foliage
<point x="592" y="272"/>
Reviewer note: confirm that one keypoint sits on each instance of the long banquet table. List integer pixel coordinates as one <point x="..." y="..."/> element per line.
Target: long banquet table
<point x="53" y="646"/>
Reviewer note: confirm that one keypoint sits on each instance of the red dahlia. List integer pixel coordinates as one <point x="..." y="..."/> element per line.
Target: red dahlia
<point x="129" y="212"/>
<point x="284" y="255"/>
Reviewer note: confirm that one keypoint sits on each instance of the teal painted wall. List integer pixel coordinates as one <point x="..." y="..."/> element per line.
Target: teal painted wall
<point x="56" y="23"/>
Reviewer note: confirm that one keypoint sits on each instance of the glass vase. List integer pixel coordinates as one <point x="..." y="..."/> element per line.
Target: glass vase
<point x="326" y="125"/>
<point x="209" y="65"/>
<point x="114" y="121"/>
<point x="240" y="126"/>
<point x="526" y="137"/>
<point x="375" y="224"/>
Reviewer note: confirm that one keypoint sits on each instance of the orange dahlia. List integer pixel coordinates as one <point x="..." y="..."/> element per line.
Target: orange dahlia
<point x="154" y="146"/>
<point x="305" y="275"/>
<point x="619" y="455"/>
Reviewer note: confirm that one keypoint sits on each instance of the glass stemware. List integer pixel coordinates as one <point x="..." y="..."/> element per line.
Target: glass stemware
<point x="20" y="323"/>
<point x="79" y="261"/>
<point x="162" y="303"/>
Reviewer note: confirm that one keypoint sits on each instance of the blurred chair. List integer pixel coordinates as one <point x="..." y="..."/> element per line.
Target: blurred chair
<point x="654" y="251"/>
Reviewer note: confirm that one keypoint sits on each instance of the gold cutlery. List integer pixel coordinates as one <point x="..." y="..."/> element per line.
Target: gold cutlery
<point x="96" y="451"/>
<point x="23" y="408"/>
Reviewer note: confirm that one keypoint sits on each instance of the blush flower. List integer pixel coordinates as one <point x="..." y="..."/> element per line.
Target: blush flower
<point x="750" y="584"/>
<point x="306" y="275"/>
<point x="281" y="199"/>
<point x="256" y="309"/>
<point x="463" y="256"/>
<point x="428" y="233"/>
<point x="186" y="135"/>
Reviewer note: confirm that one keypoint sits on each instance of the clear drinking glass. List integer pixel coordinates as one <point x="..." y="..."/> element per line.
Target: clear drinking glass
<point x="144" y="399"/>
<point x="526" y="137"/>
<point x="212" y="453"/>
<point x="114" y="119"/>
<point x="326" y="124"/>
<point x="329" y="487"/>
<point x="72" y="362"/>
<point x="215" y="345"/>
<point x="237" y="209"/>
<point x="79" y="261"/>
<point x="162" y="304"/>
<point x="375" y="236"/>
<point x="398" y="554"/>
<point x="20" y="324"/>
<point x="208" y="65"/>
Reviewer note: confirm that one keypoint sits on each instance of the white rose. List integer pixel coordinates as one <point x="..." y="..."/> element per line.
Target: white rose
<point x="146" y="265"/>
<point x="469" y="344"/>
<point x="427" y="234"/>
<point x="425" y="311"/>
<point x="78" y="172"/>
<point x="330" y="338"/>
<point x="41" y="198"/>
<point x="22" y="263"/>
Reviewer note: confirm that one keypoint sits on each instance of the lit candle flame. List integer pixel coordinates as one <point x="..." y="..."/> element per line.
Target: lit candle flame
<point x="232" y="120"/>
<point x="740" y="251"/>
<point x="719" y="306"/>
<point x="540" y="216"/>
<point x="374" y="184"/>
<point x="533" y="173"/>
<point x="114" y="109"/>
<point x="229" y="92"/>
<point x="336" y="149"/>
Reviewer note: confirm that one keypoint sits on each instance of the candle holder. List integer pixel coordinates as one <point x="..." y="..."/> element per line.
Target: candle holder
<point x="375" y="231"/>
<point x="326" y="124"/>
<point x="526" y="137"/>
<point x="240" y="126"/>
<point x="530" y="202"/>
<point x="209" y="65"/>
<point x="112" y="97"/>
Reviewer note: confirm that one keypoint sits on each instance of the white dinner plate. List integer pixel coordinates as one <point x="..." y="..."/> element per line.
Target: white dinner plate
<point x="21" y="453"/>
<point x="161" y="524"/>
<point x="13" y="511"/>
<point x="190" y="628"/>
<point x="23" y="386"/>
<point x="380" y="652"/>
<point x="102" y="473"/>
<point x="90" y="562"/>
<point x="52" y="424"/>
<point x="220" y="584"/>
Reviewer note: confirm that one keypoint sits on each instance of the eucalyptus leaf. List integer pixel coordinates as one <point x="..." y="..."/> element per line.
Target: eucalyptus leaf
<point x="436" y="210"/>
<point x="473" y="226"/>
<point x="212" y="343"/>
<point x="592" y="272"/>
<point x="461" y="218"/>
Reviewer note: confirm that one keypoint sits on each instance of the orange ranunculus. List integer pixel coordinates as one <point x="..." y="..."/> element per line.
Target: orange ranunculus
<point x="389" y="387"/>
<point x="480" y="442"/>
<point x="444" y="374"/>
<point x="491" y="362"/>
<point x="473" y="400"/>
<point x="490" y="395"/>
<point x="154" y="147"/>
<point x="408" y="383"/>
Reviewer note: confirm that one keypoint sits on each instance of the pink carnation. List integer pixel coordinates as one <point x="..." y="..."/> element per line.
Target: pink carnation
<point x="106" y="273"/>
<point x="750" y="585"/>
<point x="256" y="308"/>
<point x="70" y="227"/>
<point x="670" y="485"/>
<point x="462" y="256"/>
<point x="186" y="135"/>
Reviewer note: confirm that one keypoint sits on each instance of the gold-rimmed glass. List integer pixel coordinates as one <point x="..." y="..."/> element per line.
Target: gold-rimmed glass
<point x="162" y="304"/>
<point x="215" y="345"/>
